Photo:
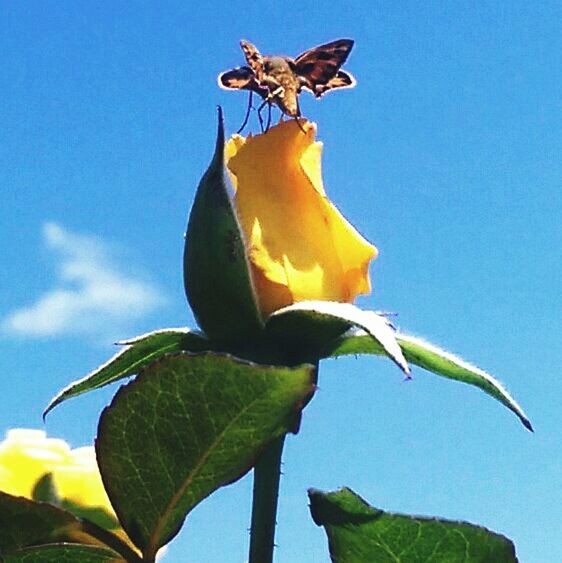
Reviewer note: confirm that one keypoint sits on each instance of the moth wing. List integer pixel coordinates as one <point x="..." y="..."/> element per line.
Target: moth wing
<point x="242" y="78"/>
<point x="319" y="65"/>
<point x="253" y="56"/>
<point x="341" y="80"/>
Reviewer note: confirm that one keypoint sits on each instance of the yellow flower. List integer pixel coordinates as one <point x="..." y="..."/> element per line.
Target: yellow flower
<point x="27" y="455"/>
<point x="299" y="245"/>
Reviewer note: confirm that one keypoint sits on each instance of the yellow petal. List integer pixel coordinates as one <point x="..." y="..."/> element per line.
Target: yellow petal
<point x="79" y="481"/>
<point x="300" y="246"/>
<point x="27" y="455"/>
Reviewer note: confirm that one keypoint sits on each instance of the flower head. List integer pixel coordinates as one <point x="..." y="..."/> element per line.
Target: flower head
<point x="268" y="239"/>
<point x="28" y="455"/>
<point x="300" y="247"/>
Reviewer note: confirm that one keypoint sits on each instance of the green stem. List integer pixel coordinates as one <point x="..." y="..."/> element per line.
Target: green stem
<point x="264" y="506"/>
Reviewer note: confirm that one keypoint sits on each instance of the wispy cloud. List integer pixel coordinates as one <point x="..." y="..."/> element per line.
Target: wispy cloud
<point x="91" y="295"/>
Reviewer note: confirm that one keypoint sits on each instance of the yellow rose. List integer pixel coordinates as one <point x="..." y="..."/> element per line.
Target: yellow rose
<point x="27" y="455"/>
<point x="300" y="247"/>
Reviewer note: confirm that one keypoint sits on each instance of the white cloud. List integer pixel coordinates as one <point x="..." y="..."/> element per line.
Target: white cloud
<point x="91" y="296"/>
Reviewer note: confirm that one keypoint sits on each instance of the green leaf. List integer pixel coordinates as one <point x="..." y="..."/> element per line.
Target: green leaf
<point x="217" y="277"/>
<point x="64" y="553"/>
<point x="140" y="352"/>
<point x="433" y="359"/>
<point x="358" y="533"/>
<point x="312" y="316"/>
<point x="186" y="426"/>
<point x="24" y="522"/>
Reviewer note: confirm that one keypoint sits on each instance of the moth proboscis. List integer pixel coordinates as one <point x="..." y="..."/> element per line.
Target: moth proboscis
<point x="279" y="79"/>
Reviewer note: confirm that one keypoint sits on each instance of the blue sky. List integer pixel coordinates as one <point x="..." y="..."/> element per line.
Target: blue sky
<point x="447" y="156"/>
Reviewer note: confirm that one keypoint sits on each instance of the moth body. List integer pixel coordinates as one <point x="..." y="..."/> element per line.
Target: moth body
<point x="283" y="84"/>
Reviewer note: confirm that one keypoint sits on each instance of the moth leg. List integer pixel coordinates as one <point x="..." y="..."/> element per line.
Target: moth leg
<point x="269" y="101"/>
<point x="247" y="117"/>
<point x="260" y="118"/>
<point x="297" y="116"/>
<point x="299" y="124"/>
<point x="268" y="118"/>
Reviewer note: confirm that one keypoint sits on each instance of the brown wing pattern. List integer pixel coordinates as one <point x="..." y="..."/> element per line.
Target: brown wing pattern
<point x="242" y="78"/>
<point x="341" y="80"/>
<point x="321" y="64"/>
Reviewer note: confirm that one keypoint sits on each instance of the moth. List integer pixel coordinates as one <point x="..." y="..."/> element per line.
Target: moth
<point x="279" y="79"/>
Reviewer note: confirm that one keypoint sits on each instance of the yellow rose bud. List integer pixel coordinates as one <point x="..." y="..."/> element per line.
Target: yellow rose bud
<point x="300" y="247"/>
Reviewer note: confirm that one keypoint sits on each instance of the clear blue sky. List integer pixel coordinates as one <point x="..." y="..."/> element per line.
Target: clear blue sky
<point x="447" y="156"/>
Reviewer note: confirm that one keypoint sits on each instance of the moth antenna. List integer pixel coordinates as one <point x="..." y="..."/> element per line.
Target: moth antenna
<point x="247" y="116"/>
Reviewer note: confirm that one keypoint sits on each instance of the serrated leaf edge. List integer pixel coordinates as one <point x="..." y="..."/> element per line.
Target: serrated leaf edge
<point x="61" y="395"/>
<point x="141" y="337"/>
<point x="153" y="541"/>
<point x="504" y="396"/>
<point x="439" y="519"/>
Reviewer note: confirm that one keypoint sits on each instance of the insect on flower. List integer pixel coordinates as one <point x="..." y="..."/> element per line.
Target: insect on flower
<point x="279" y="79"/>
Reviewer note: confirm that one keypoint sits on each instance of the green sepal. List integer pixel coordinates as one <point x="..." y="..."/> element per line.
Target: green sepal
<point x="139" y="352"/>
<point x="202" y="418"/>
<point x="95" y="514"/>
<point x="217" y="278"/>
<point x="317" y="324"/>
<point x="433" y="359"/>
<point x="45" y="490"/>
<point x="357" y="533"/>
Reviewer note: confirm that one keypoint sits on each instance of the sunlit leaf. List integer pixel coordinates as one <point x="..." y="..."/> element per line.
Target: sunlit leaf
<point x="433" y="359"/>
<point x="359" y="533"/>
<point x="186" y="426"/>
<point x="139" y="352"/>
